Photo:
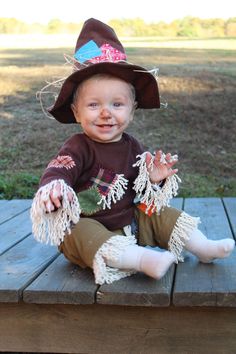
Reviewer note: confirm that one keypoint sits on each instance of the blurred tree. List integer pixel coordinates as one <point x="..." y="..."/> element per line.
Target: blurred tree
<point x="213" y="27"/>
<point x="132" y="27"/>
<point x="55" y="26"/>
<point x="12" y="25"/>
<point x="230" y="27"/>
<point x="189" y="27"/>
<point x="136" y="27"/>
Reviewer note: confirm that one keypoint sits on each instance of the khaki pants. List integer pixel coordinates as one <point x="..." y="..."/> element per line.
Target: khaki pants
<point x="89" y="235"/>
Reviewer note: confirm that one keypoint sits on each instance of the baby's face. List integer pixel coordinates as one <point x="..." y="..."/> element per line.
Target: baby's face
<point x="104" y="107"/>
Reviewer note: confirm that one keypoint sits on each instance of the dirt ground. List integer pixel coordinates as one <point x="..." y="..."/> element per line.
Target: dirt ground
<point x="199" y="123"/>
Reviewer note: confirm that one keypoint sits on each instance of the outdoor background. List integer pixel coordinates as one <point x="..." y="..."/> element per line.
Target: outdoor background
<point x="196" y="57"/>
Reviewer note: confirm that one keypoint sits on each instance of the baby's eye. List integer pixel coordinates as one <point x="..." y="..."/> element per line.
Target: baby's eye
<point x="92" y="104"/>
<point x="117" y="104"/>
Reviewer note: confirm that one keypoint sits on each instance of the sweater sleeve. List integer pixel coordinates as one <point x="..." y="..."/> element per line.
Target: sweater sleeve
<point x="66" y="165"/>
<point x="63" y="170"/>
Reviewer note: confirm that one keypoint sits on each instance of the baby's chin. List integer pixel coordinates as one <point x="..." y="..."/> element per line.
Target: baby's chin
<point x="105" y="135"/>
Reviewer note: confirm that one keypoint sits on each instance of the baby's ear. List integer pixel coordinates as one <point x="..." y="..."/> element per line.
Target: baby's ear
<point x="135" y="105"/>
<point x="74" y="110"/>
<point x="72" y="106"/>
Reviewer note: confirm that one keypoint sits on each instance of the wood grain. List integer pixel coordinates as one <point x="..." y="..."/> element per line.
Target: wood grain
<point x="214" y="284"/>
<point x="137" y="290"/>
<point x="62" y="282"/>
<point x="12" y="208"/>
<point x="12" y="232"/>
<point x="21" y="265"/>
<point x="230" y="205"/>
<point x="177" y="203"/>
<point x="116" y="329"/>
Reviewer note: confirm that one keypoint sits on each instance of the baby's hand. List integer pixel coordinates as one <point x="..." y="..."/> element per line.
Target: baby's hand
<point x="53" y="202"/>
<point x="162" y="166"/>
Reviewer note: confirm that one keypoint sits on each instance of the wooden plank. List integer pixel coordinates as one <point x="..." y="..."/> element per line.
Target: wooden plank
<point x="13" y="208"/>
<point x="214" y="284"/>
<point x="230" y="206"/>
<point x="116" y="329"/>
<point x="177" y="203"/>
<point x="20" y="265"/>
<point x="14" y="230"/>
<point x="62" y="282"/>
<point x="140" y="290"/>
<point x="137" y="290"/>
<point x="214" y="223"/>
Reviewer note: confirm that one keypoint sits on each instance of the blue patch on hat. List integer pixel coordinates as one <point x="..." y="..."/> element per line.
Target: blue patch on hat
<point x="87" y="51"/>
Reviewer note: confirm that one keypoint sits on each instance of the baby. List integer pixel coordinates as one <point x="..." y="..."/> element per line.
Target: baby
<point x="104" y="197"/>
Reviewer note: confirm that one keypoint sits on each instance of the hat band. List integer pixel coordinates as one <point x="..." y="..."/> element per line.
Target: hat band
<point x="91" y="53"/>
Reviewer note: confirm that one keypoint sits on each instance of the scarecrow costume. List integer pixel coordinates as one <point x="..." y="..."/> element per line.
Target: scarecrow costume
<point x="114" y="203"/>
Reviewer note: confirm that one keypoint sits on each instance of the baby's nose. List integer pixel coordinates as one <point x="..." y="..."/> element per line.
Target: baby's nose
<point x="105" y="112"/>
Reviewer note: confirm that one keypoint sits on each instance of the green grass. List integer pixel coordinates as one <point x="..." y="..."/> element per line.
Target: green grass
<point x="205" y="186"/>
<point x="20" y="185"/>
<point x="199" y="123"/>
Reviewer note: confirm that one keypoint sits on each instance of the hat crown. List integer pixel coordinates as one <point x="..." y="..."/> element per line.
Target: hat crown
<point x="97" y="43"/>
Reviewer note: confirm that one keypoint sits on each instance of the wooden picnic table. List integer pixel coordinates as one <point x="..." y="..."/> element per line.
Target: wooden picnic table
<point x="50" y="305"/>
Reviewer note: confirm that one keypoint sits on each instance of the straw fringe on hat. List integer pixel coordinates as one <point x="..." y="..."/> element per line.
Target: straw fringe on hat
<point x="98" y="51"/>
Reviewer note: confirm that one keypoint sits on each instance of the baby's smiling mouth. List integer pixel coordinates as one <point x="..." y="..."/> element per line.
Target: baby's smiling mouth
<point x="105" y="125"/>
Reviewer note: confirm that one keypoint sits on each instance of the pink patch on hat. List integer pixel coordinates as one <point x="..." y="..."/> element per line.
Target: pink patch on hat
<point x="109" y="54"/>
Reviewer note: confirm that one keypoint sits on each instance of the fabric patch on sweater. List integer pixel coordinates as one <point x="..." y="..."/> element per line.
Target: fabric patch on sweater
<point x="62" y="161"/>
<point x="110" y="185"/>
<point x="89" y="200"/>
<point x="104" y="180"/>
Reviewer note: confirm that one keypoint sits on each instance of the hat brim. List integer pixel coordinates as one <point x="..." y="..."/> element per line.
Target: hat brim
<point x="145" y="84"/>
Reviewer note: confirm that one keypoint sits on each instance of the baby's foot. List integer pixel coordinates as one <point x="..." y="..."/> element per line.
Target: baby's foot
<point x="156" y="264"/>
<point x="216" y="249"/>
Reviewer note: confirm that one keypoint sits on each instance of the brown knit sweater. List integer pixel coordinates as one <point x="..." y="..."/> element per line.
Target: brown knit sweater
<point x="83" y="163"/>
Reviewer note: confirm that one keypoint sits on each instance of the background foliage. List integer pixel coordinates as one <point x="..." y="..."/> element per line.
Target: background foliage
<point x="186" y="27"/>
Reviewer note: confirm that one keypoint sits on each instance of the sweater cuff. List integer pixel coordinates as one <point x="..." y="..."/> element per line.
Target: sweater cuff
<point x="154" y="197"/>
<point x="52" y="227"/>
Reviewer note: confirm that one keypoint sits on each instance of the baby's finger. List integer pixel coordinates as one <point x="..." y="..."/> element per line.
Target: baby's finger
<point x="171" y="164"/>
<point x="171" y="158"/>
<point x="70" y="196"/>
<point x="49" y="207"/>
<point x="56" y="202"/>
<point x="148" y="159"/>
<point x="172" y="172"/>
<point x="56" y="191"/>
<point x="55" y="196"/>
<point x="157" y="158"/>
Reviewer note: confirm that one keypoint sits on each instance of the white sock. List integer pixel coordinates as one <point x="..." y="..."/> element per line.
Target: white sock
<point x="208" y="250"/>
<point x="153" y="263"/>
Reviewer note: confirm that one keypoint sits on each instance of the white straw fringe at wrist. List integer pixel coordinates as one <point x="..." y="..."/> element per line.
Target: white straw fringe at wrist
<point x="52" y="227"/>
<point x="154" y="199"/>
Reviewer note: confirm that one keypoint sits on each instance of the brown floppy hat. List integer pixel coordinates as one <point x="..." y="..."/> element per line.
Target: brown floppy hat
<point x="99" y="51"/>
